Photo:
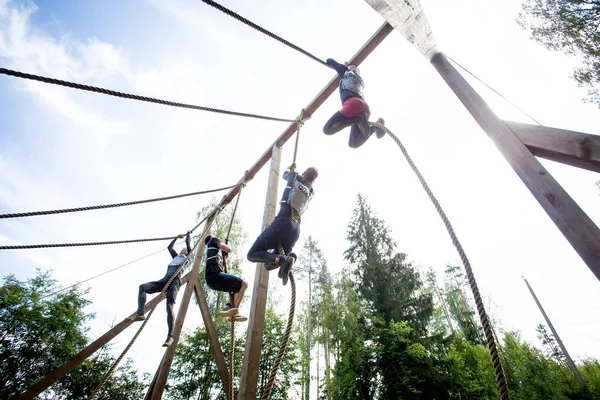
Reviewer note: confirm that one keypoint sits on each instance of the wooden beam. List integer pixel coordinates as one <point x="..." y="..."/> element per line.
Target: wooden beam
<point x="213" y="339"/>
<point x="578" y="149"/>
<point x="371" y="44"/>
<point x="256" y="320"/>
<point x="88" y="351"/>
<point x="575" y="225"/>
<point x="165" y="366"/>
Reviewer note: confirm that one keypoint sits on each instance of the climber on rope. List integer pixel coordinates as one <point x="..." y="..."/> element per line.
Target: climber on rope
<point x="217" y="253"/>
<point x="355" y="111"/>
<point x="284" y="231"/>
<point x="157" y="286"/>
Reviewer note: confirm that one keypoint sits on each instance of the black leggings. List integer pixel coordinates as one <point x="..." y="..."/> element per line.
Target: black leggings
<point x="282" y="229"/>
<point x="155" y="287"/>
<point x="339" y="121"/>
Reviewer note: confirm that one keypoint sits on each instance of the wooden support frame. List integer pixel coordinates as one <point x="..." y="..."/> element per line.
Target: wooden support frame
<point x="215" y="345"/>
<point x="256" y="320"/>
<point x="572" y="221"/>
<point x="382" y="32"/>
<point x="581" y="150"/>
<point x="88" y="351"/>
<point x="160" y="380"/>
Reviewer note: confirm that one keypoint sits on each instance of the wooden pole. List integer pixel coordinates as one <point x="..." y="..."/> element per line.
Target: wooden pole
<point x="575" y="225"/>
<point x="213" y="339"/>
<point x="578" y="149"/>
<point x="87" y="351"/>
<point x="165" y="366"/>
<point x="560" y="343"/>
<point x="256" y="321"/>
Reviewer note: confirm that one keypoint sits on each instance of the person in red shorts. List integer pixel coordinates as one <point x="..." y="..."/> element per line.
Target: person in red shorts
<point x="355" y="111"/>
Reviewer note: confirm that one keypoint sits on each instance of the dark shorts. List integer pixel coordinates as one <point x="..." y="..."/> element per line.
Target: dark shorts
<point x="224" y="282"/>
<point x="157" y="286"/>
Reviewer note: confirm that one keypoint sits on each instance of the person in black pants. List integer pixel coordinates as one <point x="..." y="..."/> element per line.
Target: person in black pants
<point x="216" y="254"/>
<point x="157" y="286"/>
<point x="284" y="231"/>
<point x="355" y="111"/>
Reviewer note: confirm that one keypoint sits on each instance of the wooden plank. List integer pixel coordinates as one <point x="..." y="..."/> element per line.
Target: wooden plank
<point x="213" y="339"/>
<point x="408" y="18"/>
<point x="578" y="149"/>
<point x="575" y="225"/>
<point x="165" y="366"/>
<point x="256" y="320"/>
<point x="86" y="352"/>
<point x="371" y="44"/>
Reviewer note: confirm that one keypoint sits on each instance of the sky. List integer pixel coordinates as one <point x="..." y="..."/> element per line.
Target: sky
<point x="64" y="148"/>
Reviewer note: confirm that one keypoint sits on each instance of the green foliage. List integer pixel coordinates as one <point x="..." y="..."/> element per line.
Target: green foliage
<point x="38" y="335"/>
<point x="461" y="312"/>
<point x="570" y="26"/>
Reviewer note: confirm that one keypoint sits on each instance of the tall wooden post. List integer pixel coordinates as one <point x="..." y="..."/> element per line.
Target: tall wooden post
<point x="575" y="225"/>
<point x="256" y="321"/>
<point x="560" y="343"/>
<point x="163" y="371"/>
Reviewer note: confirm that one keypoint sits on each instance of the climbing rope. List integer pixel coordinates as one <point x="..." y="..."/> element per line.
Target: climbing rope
<point x="286" y="337"/>
<point x="262" y="30"/>
<point x="494" y="90"/>
<point x="49" y="245"/>
<point x="162" y="294"/>
<point x="109" y="92"/>
<point x="500" y="377"/>
<point x="231" y="301"/>
<point x="130" y="203"/>
<point x="299" y="125"/>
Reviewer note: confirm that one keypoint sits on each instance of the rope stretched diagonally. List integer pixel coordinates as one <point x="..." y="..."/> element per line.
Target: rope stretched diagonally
<point x="163" y="293"/>
<point x="49" y="245"/>
<point x="489" y="337"/>
<point x="231" y="301"/>
<point x="262" y="30"/>
<point x="299" y="124"/>
<point x="98" y="207"/>
<point x="286" y="337"/>
<point x="95" y="89"/>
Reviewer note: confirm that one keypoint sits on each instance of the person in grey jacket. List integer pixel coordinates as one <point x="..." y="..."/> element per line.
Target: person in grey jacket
<point x="157" y="286"/>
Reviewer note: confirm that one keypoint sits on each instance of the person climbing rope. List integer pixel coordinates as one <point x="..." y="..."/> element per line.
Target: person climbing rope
<point x="216" y="254"/>
<point x="355" y="111"/>
<point x="157" y="286"/>
<point x="284" y="231"/>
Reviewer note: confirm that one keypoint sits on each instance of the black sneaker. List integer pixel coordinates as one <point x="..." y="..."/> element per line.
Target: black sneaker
<point x="284" y="271"/>
<point x="378" y="131"/>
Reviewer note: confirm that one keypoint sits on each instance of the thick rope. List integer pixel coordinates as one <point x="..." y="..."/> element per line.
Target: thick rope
<point x="286" y="337"/>
<point x="500" y="377"/>
<point x="42" y="246"/>
<point x="49" y="245"/>
<point x="109" y="92"/>
<point x="130" y="203"/>
<point x="163" y="293"/>
<point x="231" y="301"/>
<point x="232" y="361"/>
<point x="299" y="124"/>
<point x="262" y="30"/>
